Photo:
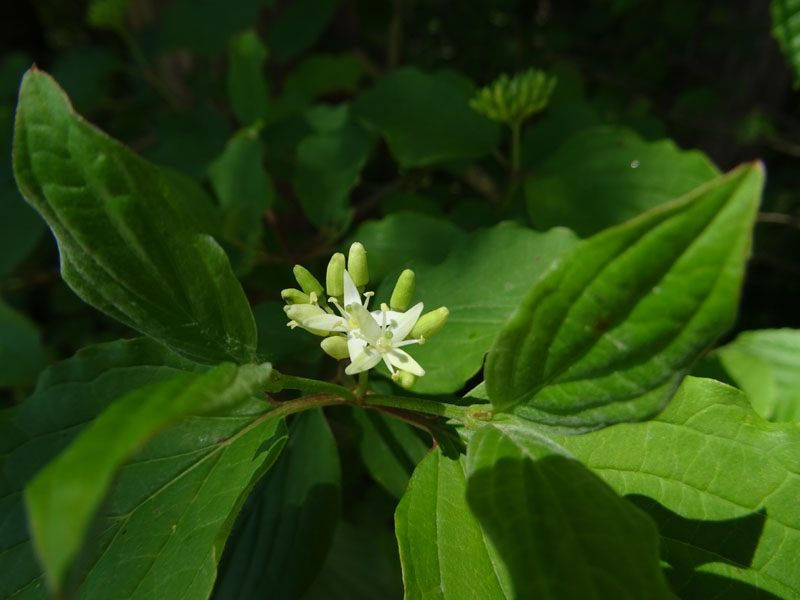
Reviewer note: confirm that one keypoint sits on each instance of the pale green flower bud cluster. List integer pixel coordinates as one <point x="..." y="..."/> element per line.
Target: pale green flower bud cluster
<point x="511" y="100"/>
<point x="349" y="329"/>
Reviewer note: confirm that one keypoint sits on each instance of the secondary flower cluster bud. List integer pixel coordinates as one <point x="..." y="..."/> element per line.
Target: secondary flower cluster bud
<point x="365" y="337"/>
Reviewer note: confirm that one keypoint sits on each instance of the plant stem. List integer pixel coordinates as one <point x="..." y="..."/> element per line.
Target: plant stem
<point x="361" y="391"/>
<point x="310" y="385"/>
<point x="431" y="407"/>
<point x="516" y="153"/>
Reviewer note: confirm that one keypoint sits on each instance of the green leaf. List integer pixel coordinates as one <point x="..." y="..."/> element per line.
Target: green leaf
<point x="605" y="175"/>
<point x="77" y="482"/>
<point x="389" y="448"/>
<point x="608" y="334"/>
<point x="328" y="167"/>
<point x="282" y="536"/>
<point x="766" y="365"/>
<point x="245" y="192"/>
<point x="247" y="87"/>
<point x="426" y="118"/>
<point x="21" y="352"/>
<point x="402" y="237"/>
<point x="298" y="26"/>
<point x="444" y="552"/>
<point x="561" y="531"/>
<point x="721" y="483"/>
<point x="127" y="238"/>
<point x="786" y="29"/>
<point x="69" y="394"/>
<point x="481" y="282"/>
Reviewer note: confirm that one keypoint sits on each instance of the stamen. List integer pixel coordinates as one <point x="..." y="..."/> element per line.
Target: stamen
<point x="292" y="324"/>
<point x="313" y="298"/>
<point x="368" y="295"/>
<point x="421" y="339"/>
<point x="384" y="306"/>
<point x="338" y="306"/>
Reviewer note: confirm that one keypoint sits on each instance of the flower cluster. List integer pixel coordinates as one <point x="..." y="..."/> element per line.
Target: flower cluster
<point x="511" y="100"/>
<point x="350" y="329"/>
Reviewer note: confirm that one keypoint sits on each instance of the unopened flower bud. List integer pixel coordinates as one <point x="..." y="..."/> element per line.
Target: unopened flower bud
<point x="357" y="265"/>
<point x="335" y="346"/>
<point x="293" y="296"/>
<point x="430" y="323"/>
<point x="334" y="279"/>
<point x="405" y="379"/>
<point x="307" y="281"/>
<point x="403" y="290"/>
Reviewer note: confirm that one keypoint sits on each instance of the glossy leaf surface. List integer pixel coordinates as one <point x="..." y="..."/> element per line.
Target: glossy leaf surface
<point x="561" y="531"/>
<point x="129" y="241"/>
<point x="603" y="176"/>
<point x="607" y="335"/>
<point x="482" y="280"/>
<point x="766" y="365"/>
<point x="282" y="536"/>
<point x="443" y="550"/>
<point x="722" y="484"/>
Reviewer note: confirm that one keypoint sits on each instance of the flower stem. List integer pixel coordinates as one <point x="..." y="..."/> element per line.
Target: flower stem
<point x="361" y="391"/>
<point x="281" y="381"/>
<point x="515" y="160"/>
<point x="431" y="407"/>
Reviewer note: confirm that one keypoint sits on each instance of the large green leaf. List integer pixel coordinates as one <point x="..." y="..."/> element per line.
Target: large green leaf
<point x="722" y="485"/>
<point x="482" y="280"/>
<point x="608" y="334"/>
<point x="426" y="119"/>
<point x="561" y="531"/>
<point x="129" y="241"/>
<point x="282" y="536"/>
<point x="444" y="552"/>
<point x="766" y="365"/>
<point x="163" y="526"/>
<point x="605" y="175"/>
<point x="390" y="449"/>
<point x="402" y="237"/>
<point x="77" y="482"/>
<point x="69" y="394"/>
<point x="786" y="29"/>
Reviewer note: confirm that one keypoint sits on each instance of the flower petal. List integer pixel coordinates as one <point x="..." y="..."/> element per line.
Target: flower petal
<point x="366" y="323"/>
<point x="368" y="358"/>
<point x="351" y="295"/>
<point x="406" y="322"/>
<point x="302" y="312"/>
<point x="403" y="361"/>
<point x="325" y="322"/>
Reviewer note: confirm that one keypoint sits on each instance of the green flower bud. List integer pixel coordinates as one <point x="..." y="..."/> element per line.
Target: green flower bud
<point x="335" y="346"/>
<point x="405" y="379"/>
<point x="403" y="290"/>
<point x="357" y="265"/>
<point x="307" y="281"/>
<point x="293" y="296"/>
<point x="430" y="323"/>
<point x="334" y="279"/>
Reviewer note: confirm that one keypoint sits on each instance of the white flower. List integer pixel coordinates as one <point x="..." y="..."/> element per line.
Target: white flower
<point x="313" y="317"/>
<point x="370" y="336"/>
<point x="373" y="342"/>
